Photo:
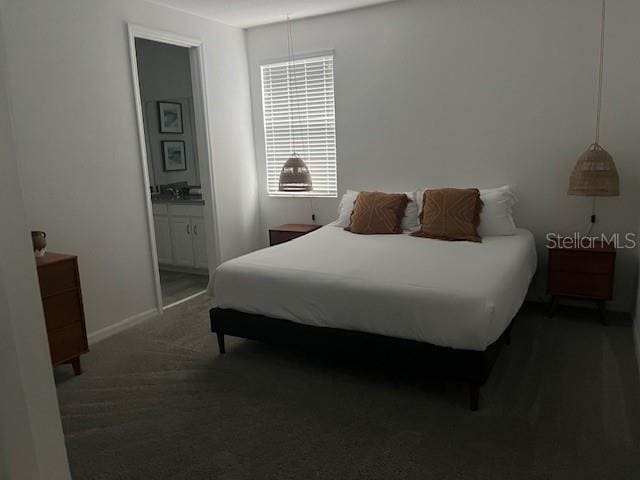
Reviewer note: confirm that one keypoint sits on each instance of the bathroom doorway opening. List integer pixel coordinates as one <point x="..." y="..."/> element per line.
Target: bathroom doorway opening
<point x="171" y="106"/>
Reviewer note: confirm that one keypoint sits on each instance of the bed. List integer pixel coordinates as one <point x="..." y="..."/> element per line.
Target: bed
<point x="454" y="300"/>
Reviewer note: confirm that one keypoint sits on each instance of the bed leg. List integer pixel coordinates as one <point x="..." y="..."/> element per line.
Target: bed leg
<point x="220" y="336"/>
<point x="474" y="397"/>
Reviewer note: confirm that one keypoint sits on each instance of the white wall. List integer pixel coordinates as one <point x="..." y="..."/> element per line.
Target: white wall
<point x="31" y="441"/>
<point x="76" y="135"/>
<point x="459" y="93"/>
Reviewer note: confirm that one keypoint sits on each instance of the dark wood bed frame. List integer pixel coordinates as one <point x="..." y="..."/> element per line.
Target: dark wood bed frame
<point x="469" y="366"/>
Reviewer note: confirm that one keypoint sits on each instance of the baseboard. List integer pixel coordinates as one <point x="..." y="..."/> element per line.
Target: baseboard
<point x="122" y="325"/>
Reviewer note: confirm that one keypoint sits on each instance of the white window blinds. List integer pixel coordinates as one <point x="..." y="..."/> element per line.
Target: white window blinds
<point x="299" y="116"/>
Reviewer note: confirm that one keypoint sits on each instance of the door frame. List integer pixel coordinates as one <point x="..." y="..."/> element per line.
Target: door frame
<point x="203" y="144"/>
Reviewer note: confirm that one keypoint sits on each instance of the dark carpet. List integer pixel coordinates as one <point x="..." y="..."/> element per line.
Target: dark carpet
<point x="158" y="402"/>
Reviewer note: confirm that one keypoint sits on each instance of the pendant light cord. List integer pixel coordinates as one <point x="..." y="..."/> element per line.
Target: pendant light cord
<point x="593" y="215"/>
<point x="293" y="81"/>
<point x="313" y="212"/>
<point x="600" y="72"/>
<point x="599" y="106"/>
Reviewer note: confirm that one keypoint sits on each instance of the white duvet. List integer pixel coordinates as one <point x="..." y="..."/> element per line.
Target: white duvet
<point x="454" y="294"/>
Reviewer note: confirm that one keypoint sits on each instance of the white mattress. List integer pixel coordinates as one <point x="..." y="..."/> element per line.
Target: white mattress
<point x="454" y="294"/>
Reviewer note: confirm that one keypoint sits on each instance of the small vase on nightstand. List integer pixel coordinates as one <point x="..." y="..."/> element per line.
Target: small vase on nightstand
<point x="39" y="240"/>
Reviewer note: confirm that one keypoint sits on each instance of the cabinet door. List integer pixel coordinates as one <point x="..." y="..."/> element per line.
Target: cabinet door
<point x="199" y="243"/>
<point x="181" y="239"/>
<point x="163" y="239"/>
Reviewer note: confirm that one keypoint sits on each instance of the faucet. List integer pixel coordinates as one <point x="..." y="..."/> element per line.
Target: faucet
<point x="175" y="192"/>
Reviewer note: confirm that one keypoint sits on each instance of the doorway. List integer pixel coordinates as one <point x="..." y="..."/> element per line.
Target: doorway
<point x="170" y="102"/>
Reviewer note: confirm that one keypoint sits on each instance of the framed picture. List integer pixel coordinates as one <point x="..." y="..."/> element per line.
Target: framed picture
<point x="170" y="117"/>
<point x="173" y="153"/>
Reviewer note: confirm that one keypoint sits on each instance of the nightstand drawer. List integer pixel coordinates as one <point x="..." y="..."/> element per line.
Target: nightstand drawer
<point x="580" y="262"/>
<point x="68" y="342"/>
<point x="57" y="278"/>
<point x="584" y="285"/>
<point x="276" y="238"/>
<point x="62" y="310"/>
<point x="289" y="231"/>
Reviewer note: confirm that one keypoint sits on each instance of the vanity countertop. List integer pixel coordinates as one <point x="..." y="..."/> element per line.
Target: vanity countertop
<point x="184" y="200"/>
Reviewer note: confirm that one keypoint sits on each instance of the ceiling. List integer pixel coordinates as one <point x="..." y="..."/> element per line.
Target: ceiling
<point x="251" y="13"/>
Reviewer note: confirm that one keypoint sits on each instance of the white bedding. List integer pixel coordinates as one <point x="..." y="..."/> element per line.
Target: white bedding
<point x="454" y="294"/>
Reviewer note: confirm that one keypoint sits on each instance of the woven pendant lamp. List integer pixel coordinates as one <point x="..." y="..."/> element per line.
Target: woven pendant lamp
<point x="595" y="173"/>
<point x="295" y="175"/>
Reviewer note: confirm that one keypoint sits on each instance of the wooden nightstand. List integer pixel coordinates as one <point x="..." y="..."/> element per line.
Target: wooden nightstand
<point x="584" y="273"/>
<point x="289" y="231"/>
<point x="63" y="309"/>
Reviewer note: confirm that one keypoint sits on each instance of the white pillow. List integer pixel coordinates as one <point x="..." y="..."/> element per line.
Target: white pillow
<point x="409" y="221"/>
<point x="345" y="208"/>
<point x="495" y="216"/>
<point x="505" y="193"/>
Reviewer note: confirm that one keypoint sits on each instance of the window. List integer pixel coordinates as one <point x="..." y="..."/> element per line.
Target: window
<point x="299" y="116"/>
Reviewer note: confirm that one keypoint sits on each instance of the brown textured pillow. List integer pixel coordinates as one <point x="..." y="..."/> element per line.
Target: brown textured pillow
<point x="377" y="212"/>
<point x="451" y="214"/>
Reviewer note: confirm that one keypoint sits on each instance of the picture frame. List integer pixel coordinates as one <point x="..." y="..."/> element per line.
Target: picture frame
<point x="174" y="156"/>
<point x="170" y="116"/>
